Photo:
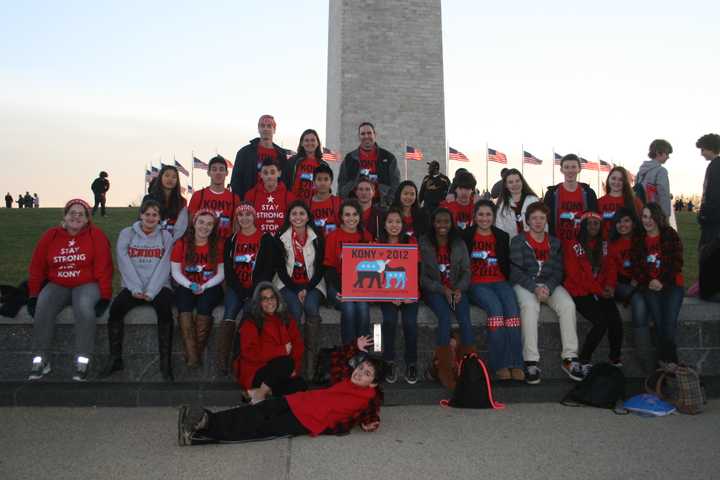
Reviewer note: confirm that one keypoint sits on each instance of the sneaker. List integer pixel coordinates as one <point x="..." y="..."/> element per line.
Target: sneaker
<point x="81" y="369"/>
<point x="586" y="368"/>
<point x="532" y="377"/>
<point x="184" y="431"/>
<point x="40" y="368"/>
<point x="573" y="369"/>
<point x="391" y="376"/>
<point x="616" y="363"/>
<point x="113" y="365"/>
<point x="411" y="374"/>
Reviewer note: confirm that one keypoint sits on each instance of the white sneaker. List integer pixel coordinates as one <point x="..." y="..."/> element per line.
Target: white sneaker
<point x="40" y="368"/>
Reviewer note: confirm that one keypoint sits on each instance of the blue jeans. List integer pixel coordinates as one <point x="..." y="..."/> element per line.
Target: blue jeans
<point x="204" y="303"/>
<point x="664" y="306"/>
<point x="439" y="305"/>
<point x="311" y="306"/>
<point x="637" y="304"/>
<point x="233" y="305"/>
<point x="354" y="318"/>
<point x="503" y="323"/>
<point x="389" y="328"/>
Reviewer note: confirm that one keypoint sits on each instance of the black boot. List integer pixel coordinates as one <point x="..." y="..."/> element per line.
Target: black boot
<point x="115" y="328"/>
<point x="115" y="364"/>
<point x="165" y="331"/>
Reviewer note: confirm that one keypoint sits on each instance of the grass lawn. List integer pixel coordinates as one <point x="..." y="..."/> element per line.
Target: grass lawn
<point x="22" y="228"/>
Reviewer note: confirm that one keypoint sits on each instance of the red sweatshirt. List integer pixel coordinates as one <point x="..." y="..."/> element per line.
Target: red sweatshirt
<point x="619" y="263"/>
<point x="579" y="277"/>
<point x="322" y="409"/>
<point x="257" y="349"/>
<point x="70" y="261"/>
<point x="462" y="214"/>
<point x="270" y="207"/>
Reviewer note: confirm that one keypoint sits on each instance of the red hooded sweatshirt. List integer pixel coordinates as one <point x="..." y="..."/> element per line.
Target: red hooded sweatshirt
<point x="72" y="260"/>
<point x="256" y="349"/>
<point x="579" y="277"/>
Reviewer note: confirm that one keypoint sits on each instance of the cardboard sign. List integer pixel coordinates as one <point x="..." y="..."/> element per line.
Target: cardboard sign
<point x="379" y="272"/>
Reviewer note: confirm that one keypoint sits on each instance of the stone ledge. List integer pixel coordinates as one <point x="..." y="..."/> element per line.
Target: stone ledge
<point x="693" y="310"/>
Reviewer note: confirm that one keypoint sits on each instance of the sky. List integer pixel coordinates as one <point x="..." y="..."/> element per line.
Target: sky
<point x="117" y="86"/>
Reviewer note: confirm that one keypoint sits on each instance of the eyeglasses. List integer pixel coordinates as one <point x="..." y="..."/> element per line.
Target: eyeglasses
<point x="271" y="298"/>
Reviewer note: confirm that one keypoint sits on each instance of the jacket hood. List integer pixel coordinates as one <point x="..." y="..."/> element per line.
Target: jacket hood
<point x="647" y="166"/>
<point x="137" y="228"/>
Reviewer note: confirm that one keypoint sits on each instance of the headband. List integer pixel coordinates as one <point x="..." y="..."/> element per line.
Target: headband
<point x="594" y="215"/>
<point x="78" y="201"/>
<point x="203" y="211"/>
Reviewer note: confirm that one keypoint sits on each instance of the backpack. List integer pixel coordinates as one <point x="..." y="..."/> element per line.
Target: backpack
<point x="604" y="387"/>
<point x="646" y="192"/>
<point x="679" y="385"/>
<point x="473" y="389"/>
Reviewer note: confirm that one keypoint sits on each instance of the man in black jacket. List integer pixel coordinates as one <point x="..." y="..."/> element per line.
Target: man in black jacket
<point x="371" y="161"/>
<point x="99" y="187"/>
<point x="249" y="158"/>
<point x="709" y="215"/>
<point x="434" y="187"/>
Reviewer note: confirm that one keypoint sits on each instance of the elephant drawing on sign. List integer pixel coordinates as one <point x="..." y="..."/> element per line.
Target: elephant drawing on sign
<point x="398" y="274"/>
<point x="371" y="269"/>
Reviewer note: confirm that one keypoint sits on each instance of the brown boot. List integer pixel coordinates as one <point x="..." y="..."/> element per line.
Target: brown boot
<point x="225" y="337"/>
<point x="312" y="340"/>
<point x="203" y="326"/>
<point x="445" y="372"/>
<point x="187" y="330"/>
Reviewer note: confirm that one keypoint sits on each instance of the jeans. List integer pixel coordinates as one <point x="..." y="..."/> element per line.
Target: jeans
<point x="440" y="306"/>
<point x="233" y="306"/>
<point x="204" y="303"/>
<point x="311" y="306"/>
<point x="354" y="318"/>
<point x="623" y="292"/>
<point x="390" y="315"/>
<point x="503" y="323"/>
<point x="664" y="306"/>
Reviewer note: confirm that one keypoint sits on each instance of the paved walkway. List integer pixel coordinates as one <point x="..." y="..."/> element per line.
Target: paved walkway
<point x="526" y="441"/>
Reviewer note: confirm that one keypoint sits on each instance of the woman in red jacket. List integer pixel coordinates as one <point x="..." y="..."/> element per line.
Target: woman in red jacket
<point x="353" y="399"/>
<point x="71" y="265"/>
<point x="271" y="348"/>
<point x="585" y="269"/>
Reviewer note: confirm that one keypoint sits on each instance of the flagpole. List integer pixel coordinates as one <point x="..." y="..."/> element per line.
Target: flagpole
<point x="598" y="176"/>
<point x="405" y="157"/>
<point x="487" y="169"/>
<point x="522" y="159"/>
<point x="145" y="185"/>
<point x="553" y="166"/>
<point x="192" y="169"/>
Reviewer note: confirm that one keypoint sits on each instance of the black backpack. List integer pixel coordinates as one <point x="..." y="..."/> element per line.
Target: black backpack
<point x="473" y="388"/>
<point x="604" y="387"/>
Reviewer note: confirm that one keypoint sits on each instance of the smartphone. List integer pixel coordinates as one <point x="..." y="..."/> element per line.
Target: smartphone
<point x="377" y="337"/>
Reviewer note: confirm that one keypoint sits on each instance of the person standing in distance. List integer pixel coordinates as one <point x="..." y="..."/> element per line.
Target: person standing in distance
<point x="434" y="187"/>
<point x="249" y="159"/>
<point x="371" y="161"/>
<point x="100" y="186"/>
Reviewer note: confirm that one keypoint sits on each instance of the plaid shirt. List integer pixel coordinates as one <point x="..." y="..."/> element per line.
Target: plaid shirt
<point x="340" y="370"/>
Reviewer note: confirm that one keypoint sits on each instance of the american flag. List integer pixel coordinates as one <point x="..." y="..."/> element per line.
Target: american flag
<point x="190" y="189"/>
<point x="181" y="169"/>
<point x="197" y="163"/>
<point x="227" y="162"/>
<point x="412" y="153"/>
<point x="605" y="166"/>
<point x="329" y="156"/>
<point x="495" y="156"/>
<point x="289" y="154"/>
<point x="558" y="158"/>
<point x="587" y="164"/>
<point x="457" y="155"/>
<point x="154" y="172"/>
<point x="531" y="159"/>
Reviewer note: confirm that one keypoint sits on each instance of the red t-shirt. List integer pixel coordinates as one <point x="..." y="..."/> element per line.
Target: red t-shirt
<point x="262" y="154"/>
<point x="517" y="210"/>
<point x="245" y="255"/>
<point x="619" y="253"/>
<point x="608" y="205"/>
<point x="223" y="204"/>
<point x="408" y="224"/>
<point x="484" y="266"/>
<point x="299" y="274"/>
<point x="541" y="249"/>
<point x="325" y="213"/>
<point x="368" y="167"/>
<point x="443" y="261"/>
<point x="462" y="214"/>
<point x="303" y="185"/>
<point x="201" y="269"/>
<point x="569" y="210"/>
<point x="333" y="246"/>
<point x="270" y="207"/>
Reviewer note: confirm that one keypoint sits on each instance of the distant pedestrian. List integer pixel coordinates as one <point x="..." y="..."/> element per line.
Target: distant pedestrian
<point x="690" y="206"/>
<point x="28" y="200"/>
<point x="497" y="188"/>
<point x="709" y="214"/>
<point x="434" y="187"/>
<point x="20" y="201"/>
<point x="36" y="201"/>
<point x="100" y="186"/>
<point x="8" y="200"/>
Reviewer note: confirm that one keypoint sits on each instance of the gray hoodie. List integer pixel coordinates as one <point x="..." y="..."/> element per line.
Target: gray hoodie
<point x="144" y="260"/>
<point x="654" y="173"/>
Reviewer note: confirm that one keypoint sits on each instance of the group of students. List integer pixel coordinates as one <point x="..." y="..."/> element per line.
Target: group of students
<point x="282" y="229"/>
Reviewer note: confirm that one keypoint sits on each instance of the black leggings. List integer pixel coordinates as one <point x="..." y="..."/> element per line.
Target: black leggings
<point x="124" y="302"/>
<point x="276" y="374"/>
<point x="269" y="419"/>
<point x="604" y="316"/>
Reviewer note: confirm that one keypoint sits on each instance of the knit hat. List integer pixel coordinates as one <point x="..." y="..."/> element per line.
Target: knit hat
<point x="78" y="201"/>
